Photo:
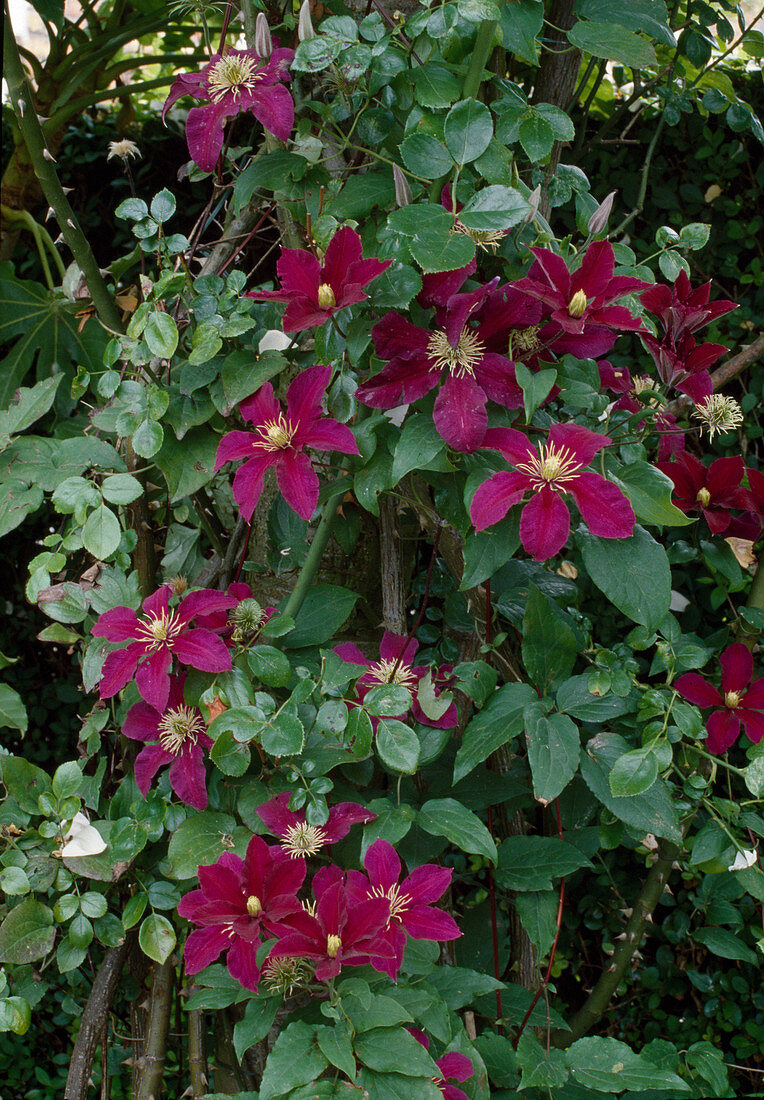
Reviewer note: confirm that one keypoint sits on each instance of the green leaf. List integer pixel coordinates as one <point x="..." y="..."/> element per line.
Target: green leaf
<point x="282" y="735"/>
<point x="259" y="1015"/>
<point x="436" y="253"/>
<point x="425" y="156"/>
<point x="613" y="43"/>
<point x="521" y="24"/>
<point x="554" y="750"/>
<point x="387" y="700"/>
<point x="694" y="236"/>
<point x="163" y="206"/>
<point x="537" y="910"/>
<point x="229" y="755"/>
<point x="549" y="647"/>
<point x="187" y="464"/>
<point x="418" y="444"/>
<point x="435" y="86"/>
<point x="27" y="933"/>
<point x="467" y="130"/>
<point x="134" y="909"/>
<point x="725" y="944"/>
<point x="396" y="286"/>
<point x="634" y="772"/>
<point x="326" y="608"/>
<point x="649" y="16"/>
<point x="633" y="573"/>
<point x="242" y="375"/>
<point x="101" y="533"/>
<point x="575" y="699"/>
<point x="67" y="780"/>
<point x="392" y="823"/>
<point x="336" y="1047"/>
<point x="460" y="987"/>
<point x="199" y="840"/>
<point x="533" y="862"/>
<point x="388" y="1050"/>
<point x="449" y="818"/>
<point x="15" y="1015"/>
<point x="394" y="1086"/>
<point x="487" y="551"/>
<point x="536" y="387"/>
<point x="397" y="746"/>
<point x="653" y="811"/>
<point x="536" y="136"/>
<point x="649" y="491"/>
<point x="121" y="488"/>
<point x="610" y="1066"/>
<point x="157" y="937"/>
<point x="161" y="335"/>
<point x="295" y="1060"/>
<point x="545" y="1070"/>
<point x="13" y="713"/>
<point x="493" y="726"/>
<point x="270" y="666"/>
<point x="24" y="781"/>
<point x="495" y="207"/>
<point x="14" y="881"/>
<point x="28" y="405"/>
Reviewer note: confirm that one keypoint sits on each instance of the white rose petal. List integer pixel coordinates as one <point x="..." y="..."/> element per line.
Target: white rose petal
<point x="82" y="839"/>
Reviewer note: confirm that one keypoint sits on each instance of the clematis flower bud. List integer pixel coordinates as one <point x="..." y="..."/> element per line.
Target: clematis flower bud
<point x="263" y="43"/>
<point x="402" y="190"/>
<point x="305" y="28"/>
<point x="599" y="219"/>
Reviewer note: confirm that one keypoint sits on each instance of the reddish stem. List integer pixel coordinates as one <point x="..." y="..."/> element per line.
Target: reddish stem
<point x="494" y="925"/>
<point x="224" y="31"/>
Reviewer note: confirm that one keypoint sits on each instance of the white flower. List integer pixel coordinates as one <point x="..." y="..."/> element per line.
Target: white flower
<point x="744" y="859"/>
<point x="274" y="340"/>
<point x="123" y="149"/>
<point x="82" y="839"/>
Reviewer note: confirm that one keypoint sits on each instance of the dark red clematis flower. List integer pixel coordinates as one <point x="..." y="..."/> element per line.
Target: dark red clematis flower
<point x="279" y="439"/>
<point x="342" y="932"/>
<point x="417" y="359"/>
<point x="158" y="636"/>
<point x="585" y="296"/>
<point x="238" y="901"/>
<point x="238" y="81"/>
<point x="557" y="467"/>
<point x="681" y="309"/>
<point x="736" y="706"/>
<point x="712" y="490"/>
<point x="298" y="838"/>
<point x="453" y="1067"/>
<point x="176" y="736"/>
<point x="314" y="291"/>
<point x="685" y="365"/>
<point x="411" y="910"/>
<point x="396" y="666"/>
<point x="437" y="288"/>
<point x="621" y="381"/>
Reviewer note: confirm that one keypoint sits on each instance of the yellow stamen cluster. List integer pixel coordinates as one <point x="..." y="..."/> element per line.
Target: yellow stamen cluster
<point x="276" y="435"/>
<point x="523" y="341"/>
<point x="732" y="699"/>
<point x="385" y="672"/>
<point x="177" y="726"/>
<point x="577" y="304"/>
<point x="460" y="360"/>
<point x="333" y="945"/>
<point x="718" y="414"/>
<point x="703" y="498"/>
<point x="254" y="905"/>
<point x="326" y="297"/>
<point x="487" y="239"/>
<point x="231" y="75"/>
<point x="399" y="902"/>
<point x="159" y="628"/>
<point x="303" y="839"/>
<point x="282" y="975"/>
<point x="553" y="467"/>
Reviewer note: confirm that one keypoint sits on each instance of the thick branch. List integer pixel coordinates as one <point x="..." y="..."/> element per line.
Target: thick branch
<point x="155" y="1050"/>
<point x="197" y="1061"/>
<point x="92" y="1026"/>
<point x="596" y="1003"/>
<point x="391" y="564"/>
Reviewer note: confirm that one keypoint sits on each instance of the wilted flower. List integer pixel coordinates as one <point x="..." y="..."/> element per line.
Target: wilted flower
<point x="279" y="439"/>
<point x="736" y="705"/>
<point x="176" y="736"/>
<point x="240" y="80"/>
<point x="558" y="467"/>
<point x="238" y="901"/>
<point x="297" y="836"/>
<point x="314" y="291"/>
<point x="745" y="858"/>
<point x="156" y="637"/>
<point x="411" y="910"/>
<point x="124" y="149"/>
<point x="718" y="414"/>
<point x="81" y="839"/>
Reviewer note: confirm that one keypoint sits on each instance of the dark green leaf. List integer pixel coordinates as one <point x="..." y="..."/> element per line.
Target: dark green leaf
<point x="610" y="1066"/>
<point x="549" y="646"/>
<point x="199" y="840"/>
<point x="449" y="818"/>
<point x="425" y="156"/>
<point x="521" y="24"/>
<point x="27" y="933"/>
<point x="633" y="573"/>
<point x="295" y="1060"/>
<point x="533" y="862"/>
<point x="554" y="749"/>
<point x="493" y="727"/>
<point x="467" y="130"/>
<point x="326" y="608"/>
<point x="398" y="746"/>
<point x="612" y="42"/>
<point x="157" y="937"/>
<point x="649" y="491"/>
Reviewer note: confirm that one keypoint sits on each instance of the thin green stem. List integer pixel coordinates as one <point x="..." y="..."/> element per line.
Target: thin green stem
<point x="479" y="57"/>
<point x="26" y="219"/>
<point x="315" y="553"/>
<point x="23" y="106"/>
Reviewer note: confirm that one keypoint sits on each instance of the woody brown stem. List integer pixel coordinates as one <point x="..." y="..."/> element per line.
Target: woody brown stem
<point x="155" y="1051"/>
<point x="92" y="1026"/>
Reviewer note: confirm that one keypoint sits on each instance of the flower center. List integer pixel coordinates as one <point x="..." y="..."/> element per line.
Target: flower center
<point x="385" y="672"/>
<point x="703" y="498"/>
<point x="326" y="297"/>
<point x="732" y="699"/>
<point x="282" y="975"/>
<point x="399" y="902"/>
<point x="303" y="839"/>
<point x="333" y="945"/>
<point x="487" y="239"/>
<point x="460" y="360"/>
<point x="577" y="304"/>
<point x="718" y="413"/>
<point x="254" y="905"/>
<point x="159" y="629"/>
<point x="276" y="435"/>
<point x="177" y="726"/>
<point x="554" y="466"/>
<point x="524" y="340"/>
<point x="230" y="75"/>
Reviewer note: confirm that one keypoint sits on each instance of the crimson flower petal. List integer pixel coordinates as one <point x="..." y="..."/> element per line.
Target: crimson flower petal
<point x="248" y="483"/>
<point x="544" y="524"/>
<point x="456" y="1066"/>
<point x="232" y="447"/>
<point x="147" y="763"/>
<point x="603" y="507"/>
<point x="118" y="625"/>
<point x="383" y="864"/>
<point x="242" y="962"/>
<point x="202" y="649"/>
<point x="692" y="687"/>
<point x="753" y="724"/>
<point x="583" y="443"/>
<point x="204" y="133"/>
<point x="425" y="922"/>
<point x="306" y="392"/>
<point x="737" y="667"/>
<point x="343" y="250"/>
<point x="273" y="107"/>
<point x="460" y="413"/>
<point x="298" y="482"/>
<point x="494" y="498"/>
<point x="203" y="946"/>
<point x="188" y="778"/>
<point x="153" y="677"/>
<point x="723" y="730"/>
<point x="141" y="723"/>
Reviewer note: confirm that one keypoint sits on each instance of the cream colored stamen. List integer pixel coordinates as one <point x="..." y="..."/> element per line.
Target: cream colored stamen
<point x="460" y="360"/>
<point x="159" y="628"/>
<point x="718" y="414"/>
<point x="487" y="239"/>
<point x="732" y="699"/>
<point x="254" y="905"/>
<point x="553" y="467"/>
<point x="303" y="839"/>
<point x="577" y="304"/>
<point x="385" y="672"/>
<point x="399" y="902"/>
<point x="524" y="340"/>
<point x="232" y="74"/>
<point x="275" y="435"/>
<point x="333" y="945"/>
<point x="326" y="297"/>
<point x="177" y="726"/>
<point x="703" y="498"/>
